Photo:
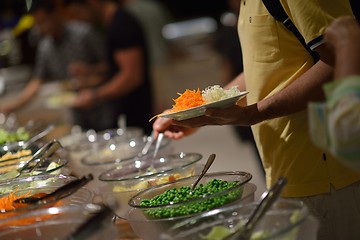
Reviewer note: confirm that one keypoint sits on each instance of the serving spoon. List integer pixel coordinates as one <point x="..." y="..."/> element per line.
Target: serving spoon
<point x="205" y="169"/>
<point x="268" y="198"/>
<point x="61" y="192"/>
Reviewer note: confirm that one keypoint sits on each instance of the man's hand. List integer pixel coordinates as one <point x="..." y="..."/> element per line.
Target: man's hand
<point x="85" y="99"/>
<point x="166" y="126"/>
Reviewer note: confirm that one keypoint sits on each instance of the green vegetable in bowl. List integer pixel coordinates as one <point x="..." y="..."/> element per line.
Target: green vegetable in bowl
<point x="12" y="136"/>
<point x="203" y="201"/>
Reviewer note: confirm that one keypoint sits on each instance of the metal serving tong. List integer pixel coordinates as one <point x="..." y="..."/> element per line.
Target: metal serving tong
<point x="92" y="225"/>
<point x="63" y="191"/>
<point x="149" y="141"/>
<point x="44" y="152"/>
<point x="268" y="198"/>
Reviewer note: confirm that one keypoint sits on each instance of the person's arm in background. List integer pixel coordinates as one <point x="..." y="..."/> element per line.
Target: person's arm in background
<point x="25" y="96"/>
<point x="342" y="37"/>
<point x="92" y="72"/>
<point x="130" y="77"/>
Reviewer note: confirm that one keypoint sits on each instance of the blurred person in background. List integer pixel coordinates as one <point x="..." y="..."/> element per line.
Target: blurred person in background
<point x="152" y="16"/>
<point x="63" y="50"/>
<point x="127" y="88"/>
<point x="335" y="123"/>
<point x="17" y="45"/>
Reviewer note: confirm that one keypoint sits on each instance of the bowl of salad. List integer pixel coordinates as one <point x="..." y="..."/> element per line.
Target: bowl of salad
<point x="58" y="222"/>
<point x="286" y="219"/>
<point x="9" y="207"/>
<point x="37" y="181"/>
<point x="125" y="180"/>
<point x="156" y="209"/>
<point x="51" y="165"/>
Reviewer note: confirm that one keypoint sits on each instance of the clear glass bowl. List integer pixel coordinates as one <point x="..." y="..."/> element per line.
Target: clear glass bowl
<point x="97" y="152"/>
<point x="56" y="223"/>
<point x="149" y="229"/>
<point x="81" y="141"/>
<point x="286" y="219"/>
<point x="120" y="150"/>
<point x="124" y="181"/>
<point x="80" y="197"/>
<point x="47" y="180"/>
<point x="53" y="164"/>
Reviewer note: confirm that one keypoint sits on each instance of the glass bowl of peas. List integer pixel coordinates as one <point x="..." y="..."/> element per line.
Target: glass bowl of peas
<point x="286" y="219"/>
<point x="156" y="209"/>
<point x="125" y="180"/>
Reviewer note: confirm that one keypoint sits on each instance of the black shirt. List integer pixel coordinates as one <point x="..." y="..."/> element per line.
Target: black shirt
<point x="125" y="32"/>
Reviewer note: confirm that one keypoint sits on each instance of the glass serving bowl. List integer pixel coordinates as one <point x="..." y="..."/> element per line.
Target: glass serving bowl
<point x="124" y="181"/>
<point x="51" y="165"/>
<point x="286" y="219"/>
<point x="147" y="225"/>
<point x="119" y="150"/>
<point x="79" y="142"/>
<point x="46" y="180"/>
<point x="56" y="223"/>
<point x="8" y="209"/>
<point x="113" y="152"/>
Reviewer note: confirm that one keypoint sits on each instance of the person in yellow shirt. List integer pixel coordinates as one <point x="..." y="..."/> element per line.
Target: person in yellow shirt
<point x="281" y="78"/>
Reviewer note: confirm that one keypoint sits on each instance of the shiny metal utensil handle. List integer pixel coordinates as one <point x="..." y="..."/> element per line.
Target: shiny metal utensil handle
<point x="205" y="169"/>
<point x="38" y="136"/>
<point x="92" y="225"/>
<point x="46" y="151"/>
<point x="149" y="140"/>
<point x="158" y="144"/>
<point x="266" y="202"/>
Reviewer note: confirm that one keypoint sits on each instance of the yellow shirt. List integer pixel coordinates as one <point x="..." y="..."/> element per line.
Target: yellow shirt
<point x="273" y="58"/>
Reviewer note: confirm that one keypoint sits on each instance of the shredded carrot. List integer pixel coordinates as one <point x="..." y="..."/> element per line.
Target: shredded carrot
<point x="7" y="204"/>
<point x="189" y="99"/>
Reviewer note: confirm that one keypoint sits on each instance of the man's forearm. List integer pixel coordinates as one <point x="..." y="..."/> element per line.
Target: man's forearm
<point x="296" y="96"/>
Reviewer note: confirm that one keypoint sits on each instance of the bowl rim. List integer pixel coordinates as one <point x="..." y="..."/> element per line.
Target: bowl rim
<point x="304" y="210"/>
<point x="61" y="161"/>
<point x="248" y="177"/>
<point x="40" y="177"/>
<point x="157" y="174"/>
<point x="31" y="207"/>
<point x="89" y="208"/>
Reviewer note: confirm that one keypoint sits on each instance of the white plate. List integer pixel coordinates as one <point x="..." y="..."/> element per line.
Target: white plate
<point x="200" y="110"/>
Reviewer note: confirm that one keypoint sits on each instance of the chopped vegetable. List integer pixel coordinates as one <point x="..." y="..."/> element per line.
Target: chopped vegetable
<point x="216" y="93"/>
<point x="189" y="99"/>
<point x="7" y="202"/>
<point x="12" y="136"/>
<point x="183" y="194"/>
<point x="7" y="205"/>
